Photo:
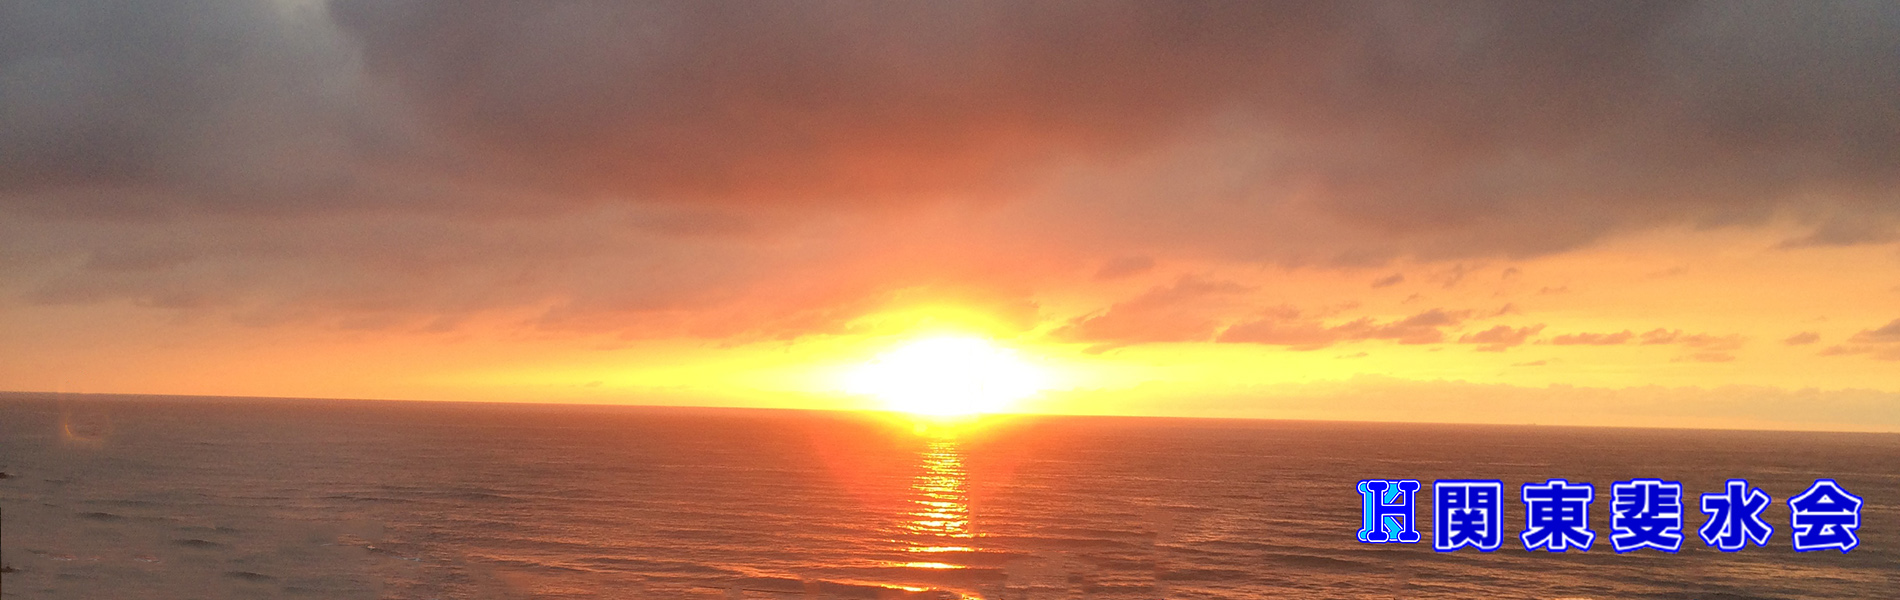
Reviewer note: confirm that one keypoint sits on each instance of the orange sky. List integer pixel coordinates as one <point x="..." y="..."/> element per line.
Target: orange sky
<point x="1675" y="215"/>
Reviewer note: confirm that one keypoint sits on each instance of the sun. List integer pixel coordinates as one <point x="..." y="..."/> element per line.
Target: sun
<point x="947" y="376"/>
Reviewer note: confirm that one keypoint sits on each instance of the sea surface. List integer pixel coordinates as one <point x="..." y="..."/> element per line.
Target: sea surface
<point x="198" y="498"/>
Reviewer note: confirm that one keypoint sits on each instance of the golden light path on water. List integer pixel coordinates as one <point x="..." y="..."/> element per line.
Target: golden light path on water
<point x="940" y="518"/>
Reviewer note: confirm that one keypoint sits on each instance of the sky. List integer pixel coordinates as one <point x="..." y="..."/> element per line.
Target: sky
<point x="1680" y="214"/>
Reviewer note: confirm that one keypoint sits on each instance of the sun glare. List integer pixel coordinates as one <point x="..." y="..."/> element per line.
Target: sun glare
<point x="947" y="376"/>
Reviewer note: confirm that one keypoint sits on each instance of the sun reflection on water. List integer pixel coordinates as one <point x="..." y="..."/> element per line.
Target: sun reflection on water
<point x="940" y="512"/>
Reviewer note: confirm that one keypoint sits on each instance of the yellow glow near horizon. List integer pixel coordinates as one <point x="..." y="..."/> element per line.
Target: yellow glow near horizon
<point x="947" y="376"/>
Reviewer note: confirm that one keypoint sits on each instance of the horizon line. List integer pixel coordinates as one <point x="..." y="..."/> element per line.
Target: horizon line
<point x="6" y="394"/>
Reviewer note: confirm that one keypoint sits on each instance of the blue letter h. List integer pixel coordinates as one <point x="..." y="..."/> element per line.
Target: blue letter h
<point x="1389" y="513"/>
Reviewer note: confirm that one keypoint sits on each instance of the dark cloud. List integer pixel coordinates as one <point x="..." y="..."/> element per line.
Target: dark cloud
<point x="135" y="109"/>
<point x="1489" y="112"/>
<point x="1330" y="133"/>
<point x="1389" y="280"/>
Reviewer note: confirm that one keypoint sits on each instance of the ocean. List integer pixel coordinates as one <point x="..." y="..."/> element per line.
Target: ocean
<point x="232" y="498"/>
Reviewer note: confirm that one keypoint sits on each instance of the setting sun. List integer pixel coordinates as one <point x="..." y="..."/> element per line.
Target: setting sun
<point x="946" y="376"/>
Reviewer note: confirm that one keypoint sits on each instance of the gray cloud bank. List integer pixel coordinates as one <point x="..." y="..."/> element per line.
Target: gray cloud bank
<point x="618" y="157"/>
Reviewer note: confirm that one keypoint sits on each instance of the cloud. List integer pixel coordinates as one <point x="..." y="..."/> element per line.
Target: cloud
<point x="1885" y="334"/>
<point x="1497" y="339"/>
<point x="1652" y="337"/>
<point x="1389" y="280"/>
<point x="1701" y="347"/>
<point x="1397" y="400"/>
<point x="1593" y="339"/>
<point x="1676" y="271"/>
<point x="1846" y="231"/>
<point x="1125" y="266"/>
<point x="1802" y="339"/>
<point x="180" y="109"/>
<point x="1299" y="333"/>
<point x="1882" y="343"/>
<point x="849" y="103"/>
<point x="606" y="272"/>
<point x="1185" y="311"/>
<point x="1712" y="343"/>
<point x="650" y="168"/>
